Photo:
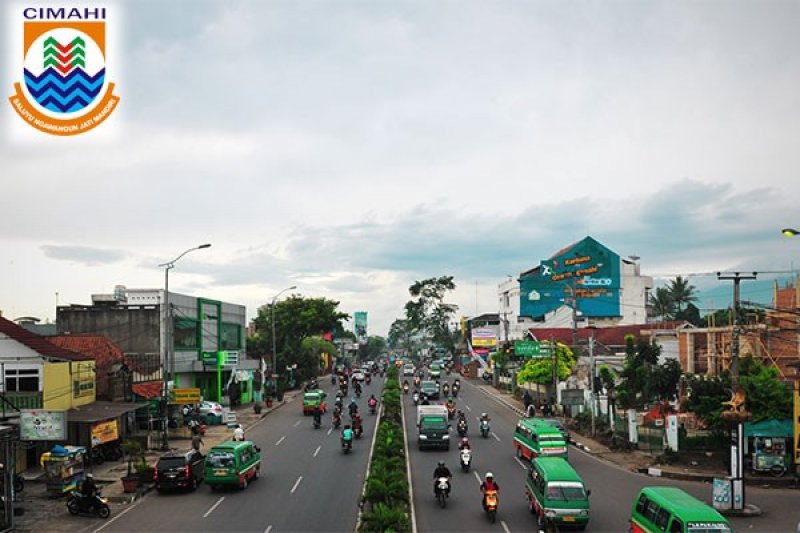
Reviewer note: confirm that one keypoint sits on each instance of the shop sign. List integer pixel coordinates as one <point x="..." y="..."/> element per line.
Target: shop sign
<point x="37" y="424"/>
<point x="106" y="431"/>
<point x="184" y="396"/>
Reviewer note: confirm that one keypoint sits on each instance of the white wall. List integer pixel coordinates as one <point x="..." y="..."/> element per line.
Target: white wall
<point x="633" y="294"/>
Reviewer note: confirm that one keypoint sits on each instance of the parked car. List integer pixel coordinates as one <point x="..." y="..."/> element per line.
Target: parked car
<point x="179" y="470"/>
<point x="556" y="423"/>
<point x="211" y="412"/>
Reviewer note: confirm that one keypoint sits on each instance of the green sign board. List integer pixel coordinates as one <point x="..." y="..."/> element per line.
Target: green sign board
<point x="532" y="349"/>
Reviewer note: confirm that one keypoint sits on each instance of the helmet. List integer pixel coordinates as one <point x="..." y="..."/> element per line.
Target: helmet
<point x="352" y="400"/>
<point x="483" y="415"/>
<point x="489" y="475"/>
<point x="441" y="463"/>
<point x="90" y="476"/>
<point x="465" y="440"/>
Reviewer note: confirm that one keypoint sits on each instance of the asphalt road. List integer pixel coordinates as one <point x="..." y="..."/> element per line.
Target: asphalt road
<point x="306" y="483"/>
<point x="613" y="489"/>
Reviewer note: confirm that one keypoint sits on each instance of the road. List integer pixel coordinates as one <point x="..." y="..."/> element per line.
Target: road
<point x="306" y="483"/>
<point x="613" y="489"/>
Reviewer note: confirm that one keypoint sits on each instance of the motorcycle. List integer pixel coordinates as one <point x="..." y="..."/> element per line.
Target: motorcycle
<point x="368" y="379"/>
<point x="416" y="382"/>
<point x="484" y="428"/>
<point x="333" y="379"/>
<point x="317" y="422"/>
<point x="462" y="428"/>
<point x="358" y="392"/>
<point x="358" y="429"/>
<point x="442" y="491"/>
<point x="405" y="388"/>
<point x="451" y="411"/>
<point x="77" y="503"/>
<point x="490" y="504"/>
<point x="455" y="390"/>
<point x="337" y="420"/>
<point x="415" y="397"/>
<point x="466" y="459"/>
<point x="445" y="389"/>
<point x="347" y="445"/>
<point x="373" y="408"/>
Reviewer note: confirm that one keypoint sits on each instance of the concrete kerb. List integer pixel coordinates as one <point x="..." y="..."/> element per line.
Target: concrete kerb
<point x="369" y="465"/>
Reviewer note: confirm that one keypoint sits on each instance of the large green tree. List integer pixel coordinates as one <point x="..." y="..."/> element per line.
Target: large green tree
<point x="662" y="303"/>
<point x="541" y="370"/>
<point x="374" y="347"/>
<point x="427" y="312"/>
<point x="682" y="292"/>
<point x="296" y="318"/>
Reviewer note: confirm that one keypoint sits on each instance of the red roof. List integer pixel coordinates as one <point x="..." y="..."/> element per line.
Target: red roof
<point x="151" y="389"/>
<point x="38" y="343"/>
<point x="101" y="349"/>
<point x="610" y="336"/>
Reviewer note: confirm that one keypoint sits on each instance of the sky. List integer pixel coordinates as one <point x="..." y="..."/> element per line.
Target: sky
<point x="351" y="148"/>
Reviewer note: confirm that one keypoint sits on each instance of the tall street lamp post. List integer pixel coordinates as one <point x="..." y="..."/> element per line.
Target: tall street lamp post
<point x="272" y="307"/>
<point x="168" y="367"/>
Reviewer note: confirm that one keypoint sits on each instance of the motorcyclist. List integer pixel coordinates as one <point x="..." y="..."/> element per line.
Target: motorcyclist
<point x="347" y="435"/>
<point x="337" y="415"/>
<point x="89" y="492"/>
<point x="357" y="427"/>
<point x="445" y="389"/>
<point x="353" y="407"/>
<point x="464" y="444"/>
<point x="488" y="484"/>
<point x="372" y="402"/>
<point x="485" y="418"/>
<point x="461" y="416"/>
<point x="317" y="415"/>
<point x="405" y="386"/>
<point x="441" y="471"/>
<point x="357" y="388"/>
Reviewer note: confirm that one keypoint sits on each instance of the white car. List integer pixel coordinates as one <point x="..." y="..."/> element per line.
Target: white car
<point x="408" y="370"/>
<point x="358" y="375"/>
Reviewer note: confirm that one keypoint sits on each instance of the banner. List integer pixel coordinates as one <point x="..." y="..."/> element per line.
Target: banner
<point x="485" y="337"/>
<point x="184" y="396"/>
<point x="37" y="424"/>
<point x="360" y="326"/>
<point x="103" y="432"/>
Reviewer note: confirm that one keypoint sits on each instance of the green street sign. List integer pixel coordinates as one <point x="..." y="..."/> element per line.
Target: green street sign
<point x="532" y="349"/>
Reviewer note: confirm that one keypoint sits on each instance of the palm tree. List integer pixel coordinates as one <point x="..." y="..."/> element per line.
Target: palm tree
<point x="662" y="303"/>
<point x="682" y="292"/>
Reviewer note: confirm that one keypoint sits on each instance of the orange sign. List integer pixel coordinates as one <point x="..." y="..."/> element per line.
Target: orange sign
<point x="103" y="432"/>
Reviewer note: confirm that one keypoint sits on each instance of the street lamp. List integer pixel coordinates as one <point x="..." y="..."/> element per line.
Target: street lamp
<point x="272" y="307"/>
<point x="168" y="367"/>
<point x="789" y="232"/>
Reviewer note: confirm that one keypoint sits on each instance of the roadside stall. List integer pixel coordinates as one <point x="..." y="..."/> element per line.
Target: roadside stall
<point x="64" y="468"/>
<point x="184" y="406"/>
<point x="767" y="443"/>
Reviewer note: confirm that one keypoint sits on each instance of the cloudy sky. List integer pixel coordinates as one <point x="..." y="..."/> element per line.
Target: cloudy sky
<point x="350" y="148"/>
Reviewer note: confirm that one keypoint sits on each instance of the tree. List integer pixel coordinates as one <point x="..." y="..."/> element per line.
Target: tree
<point x="691" y="314"/>
<point x="664" y="379"/>
<point x="374" y="348"/>
<point x="682" y="292"/>
<point x="636" y="389"/>
<point x="400" y="333"/>
<point x="296" y="318"/>
<point x="662" y="303"/>
<point x="427" y="313"/>
<point x="541" y="370"/>
<point x="311" y="350"/>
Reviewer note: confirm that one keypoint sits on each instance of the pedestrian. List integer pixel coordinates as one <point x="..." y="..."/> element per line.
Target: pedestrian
<point x="527" y="399"/>
<point x="530" y="411"/>
<point x="238" y="433"/>
<point x="197" y="442"/>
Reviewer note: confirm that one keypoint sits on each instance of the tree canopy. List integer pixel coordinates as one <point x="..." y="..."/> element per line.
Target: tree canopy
<point x="426" y="313"/>
<point x="643" y="379"/>
<point x="541" y="370"/>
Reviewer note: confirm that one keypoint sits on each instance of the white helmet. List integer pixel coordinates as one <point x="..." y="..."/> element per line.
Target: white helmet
<point x="489" y="475"/>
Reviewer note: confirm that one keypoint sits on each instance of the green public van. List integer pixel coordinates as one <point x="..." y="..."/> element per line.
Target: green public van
<point x="534" y="438"/>
<point x="233" y="463"/>
<point x="556" y="493"/>
<point x="671" y="510"/>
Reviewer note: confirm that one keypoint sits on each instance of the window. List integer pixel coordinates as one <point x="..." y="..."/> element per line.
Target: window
<point x="185" y="334"/>
<point x="676" y="526"/>
<point x="651" y="511"/>
<point x="231" y="338"/>
<point x="641" y="504"/>
<point x="22" y="380"/>
<point x="661" y="519"/>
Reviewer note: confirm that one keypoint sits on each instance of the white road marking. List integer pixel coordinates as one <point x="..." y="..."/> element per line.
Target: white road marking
<point x="317" y="450"/>
<point x="213" y="507"/>
<point x="495" y="436"/>
<point x="477" y="476"/>
<point x="505" y="526"/>
<point x="269" y="528"/>
<point x="521" y="463"/>
<point x="330" y="430"/>
<point x="117" y="517"/>
<point x="296" y="483"/>
<point x="468" y="408"/>
<point x="297" y="423"/>
<point x="280" y="440"/>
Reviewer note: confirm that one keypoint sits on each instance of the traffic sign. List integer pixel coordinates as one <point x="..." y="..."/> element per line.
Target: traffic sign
<point x="532" y="349"/>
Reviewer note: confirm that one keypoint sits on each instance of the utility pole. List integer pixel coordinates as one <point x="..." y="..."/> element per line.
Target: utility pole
<point x="737" y="432"/>
<point x="591" y="380"/>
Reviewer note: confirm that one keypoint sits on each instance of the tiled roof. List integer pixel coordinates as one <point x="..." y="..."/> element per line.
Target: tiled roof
<point x="151" y="389"/>
<point x="610" y="336"/>
<point x="38" y="343"/>
<point x="101" y="349"/>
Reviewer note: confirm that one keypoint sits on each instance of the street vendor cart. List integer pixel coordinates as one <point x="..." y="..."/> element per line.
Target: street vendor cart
<point x="64" y="467"/>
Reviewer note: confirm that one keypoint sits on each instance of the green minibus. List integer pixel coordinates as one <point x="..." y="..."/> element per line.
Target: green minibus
<point x="534" y="438"/>
<point x="556" y="493"/>
<point x="671" y="510"/>
<point x="233" y="464"/>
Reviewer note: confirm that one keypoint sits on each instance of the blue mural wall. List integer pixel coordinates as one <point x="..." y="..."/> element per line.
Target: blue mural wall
<point x="587" y="268"/>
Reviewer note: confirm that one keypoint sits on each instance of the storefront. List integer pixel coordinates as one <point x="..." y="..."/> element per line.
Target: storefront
<point x="102" y="424"/>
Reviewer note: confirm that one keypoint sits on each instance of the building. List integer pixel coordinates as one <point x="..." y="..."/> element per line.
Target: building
<point x="204" y="331"/>
<point x="584" y="284"/>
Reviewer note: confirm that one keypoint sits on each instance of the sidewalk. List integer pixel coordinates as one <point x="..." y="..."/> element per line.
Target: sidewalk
<point x="635" y="460"/>
<point x="41" y="510"/>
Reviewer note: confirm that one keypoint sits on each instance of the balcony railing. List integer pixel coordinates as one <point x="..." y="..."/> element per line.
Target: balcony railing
<point x="14" y="401"/>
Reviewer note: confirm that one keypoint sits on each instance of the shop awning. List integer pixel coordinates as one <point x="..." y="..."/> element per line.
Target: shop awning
<point x="100" y="410"/>
<point x="769" y="428"/>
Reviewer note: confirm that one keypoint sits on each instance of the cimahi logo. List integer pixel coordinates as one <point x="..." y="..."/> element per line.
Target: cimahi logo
<point x="65" y="90"/>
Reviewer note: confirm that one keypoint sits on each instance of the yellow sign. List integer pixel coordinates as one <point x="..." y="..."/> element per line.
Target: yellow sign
<point x="103" y="432"/>
<point x="484" y="342"/>
<point x="797" y="421"/>
<point x="184" y="396"/>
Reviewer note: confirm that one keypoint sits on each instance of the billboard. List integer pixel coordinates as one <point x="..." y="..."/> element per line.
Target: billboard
<point x="484" y="337"/>
<point x="360" y="326"/>
<point x="103" y="432"/>
<point x="38" y="424"/>
<point x="587" y="273"/>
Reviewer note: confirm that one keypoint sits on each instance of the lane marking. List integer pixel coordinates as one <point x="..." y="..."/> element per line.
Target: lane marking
<point x="214" y="507"/>
<point x="468" y="408"/>
<point x="120" y="515"/>
<point x="505" y="526"/>
<point x="408" y="469"/>
<point x="477" y="477"/>
<point x="317" y="450"/>
<point x="495" y="436"/>
<point x="520" y="463"/>
<point x="280" y="440"/>
<point x="330" y="431"/>
<point x="297" y="423"/>
<point x="296" y="483"/>
<point x="269" y="528"/>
